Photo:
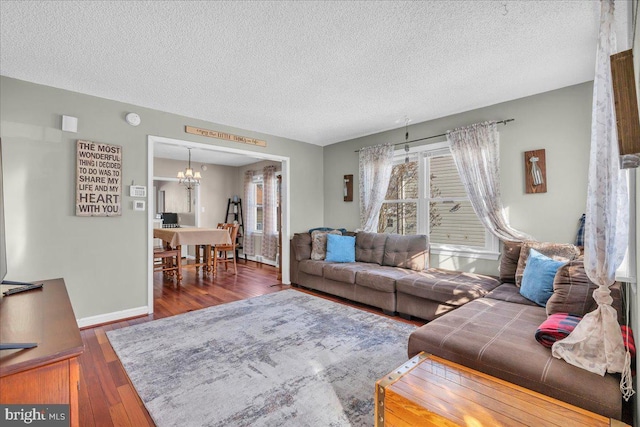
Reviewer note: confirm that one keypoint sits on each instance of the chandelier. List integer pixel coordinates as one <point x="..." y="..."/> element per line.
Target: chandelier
<point x="188" y="177"/>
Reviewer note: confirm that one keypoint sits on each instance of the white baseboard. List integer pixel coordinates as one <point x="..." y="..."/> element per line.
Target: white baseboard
<point x="261" y="259"/>
<point x="112" y="317"/>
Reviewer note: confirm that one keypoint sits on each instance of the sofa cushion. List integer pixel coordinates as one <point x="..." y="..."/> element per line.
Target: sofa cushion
<point x="537" y="280"/>
<point x="319" y="244"/>
<point x="509" y="261"/>
<point x="381" y="278"/>
<point x="370" y="247"/>
<point x="302" y="246"/>
<point x="406" y="251"/>
<point x="509" y="292"/>
<point x="450" y="287"/>
<point x="343" y="272"/>
<point x="497" y="338"/>
<point x="312" y="267"/>
<point x="558" y="251"/>
<point x="341" y="248"/>
<point x="573" y="292"/>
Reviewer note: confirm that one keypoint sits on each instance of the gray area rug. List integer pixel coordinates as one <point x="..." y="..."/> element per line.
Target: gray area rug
<point x="282" y="359"/>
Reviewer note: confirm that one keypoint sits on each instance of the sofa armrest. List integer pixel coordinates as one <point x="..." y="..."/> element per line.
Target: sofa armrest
<point x="301" y="246"/>
<point x="294" y="264"/>
<point x="300" y="250"/>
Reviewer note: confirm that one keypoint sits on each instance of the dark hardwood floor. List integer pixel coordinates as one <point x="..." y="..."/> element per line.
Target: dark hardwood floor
<point x="107" y="397"/>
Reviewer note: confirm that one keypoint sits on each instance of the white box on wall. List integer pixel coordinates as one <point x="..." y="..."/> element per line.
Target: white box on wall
<point x="70" y="124"/>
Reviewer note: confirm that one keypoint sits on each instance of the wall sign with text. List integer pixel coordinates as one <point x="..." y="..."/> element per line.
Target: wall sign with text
<point x="98" y="179"/>
<point x="223" y="135"/>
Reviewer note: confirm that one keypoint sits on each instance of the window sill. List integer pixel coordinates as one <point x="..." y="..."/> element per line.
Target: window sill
<point x="625" y="278"/>
<point x="465" y="252"/>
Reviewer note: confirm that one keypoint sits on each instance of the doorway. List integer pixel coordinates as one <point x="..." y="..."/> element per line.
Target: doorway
<point x="158" y="141"/>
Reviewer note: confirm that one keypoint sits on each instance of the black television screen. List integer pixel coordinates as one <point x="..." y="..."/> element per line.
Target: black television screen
<point x="3" y="247"/>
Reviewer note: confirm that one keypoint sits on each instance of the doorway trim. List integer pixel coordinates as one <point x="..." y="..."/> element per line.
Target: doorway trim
<point x="286" y="213"/>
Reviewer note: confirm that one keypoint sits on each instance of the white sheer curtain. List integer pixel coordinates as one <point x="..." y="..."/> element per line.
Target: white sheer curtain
<point x="596" y="343"/>
<point x="376" y="164"/>
<point x="269" y="209"/>
<point x="475" y="151"/>
<point x="248" y="248"/>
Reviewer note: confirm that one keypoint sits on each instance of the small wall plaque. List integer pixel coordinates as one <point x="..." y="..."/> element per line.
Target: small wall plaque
<point x="626" y="102"/>
<point x="348" y="188"/>
<point x="535" y="167"/>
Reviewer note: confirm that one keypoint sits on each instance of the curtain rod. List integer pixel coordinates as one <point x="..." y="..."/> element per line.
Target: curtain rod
<point x="499" y="122"/>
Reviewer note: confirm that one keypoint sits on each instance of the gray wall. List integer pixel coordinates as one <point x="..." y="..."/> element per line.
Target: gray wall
<point x="257" y="168"/>
<point x="218" y="184"/>
<point x="557" y="121"/>
<point x="103" y="260"/>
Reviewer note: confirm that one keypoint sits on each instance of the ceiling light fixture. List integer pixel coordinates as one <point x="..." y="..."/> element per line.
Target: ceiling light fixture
<point x="188" y="177"/>
<point x="133" y="119"/>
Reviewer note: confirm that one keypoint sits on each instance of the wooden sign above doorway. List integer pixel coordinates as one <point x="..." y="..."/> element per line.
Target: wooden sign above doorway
<point x="223" y="135"/>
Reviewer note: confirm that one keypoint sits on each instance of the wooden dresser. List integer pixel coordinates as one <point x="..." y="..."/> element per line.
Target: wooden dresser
<point x="430" y="391"/>
<point x="48" y="373"/>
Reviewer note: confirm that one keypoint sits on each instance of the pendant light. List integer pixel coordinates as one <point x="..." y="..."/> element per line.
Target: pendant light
<point x="188" y="177"/>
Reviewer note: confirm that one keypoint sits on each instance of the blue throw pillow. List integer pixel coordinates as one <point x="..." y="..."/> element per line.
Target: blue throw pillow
<point x="537" y="279"/>
<point x="340" y="248"/>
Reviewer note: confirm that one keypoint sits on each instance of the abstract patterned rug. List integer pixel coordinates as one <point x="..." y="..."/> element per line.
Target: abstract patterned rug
<point x="282" y="359"/>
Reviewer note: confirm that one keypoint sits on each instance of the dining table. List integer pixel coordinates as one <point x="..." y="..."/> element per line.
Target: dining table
<point x="175" y="238"/>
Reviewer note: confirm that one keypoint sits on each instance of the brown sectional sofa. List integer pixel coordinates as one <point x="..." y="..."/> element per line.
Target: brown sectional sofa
<point x="371" y="279"/>
<point x="496" y="335"/>
<point x="478" y="321"/>
<point x="389" y="273"/>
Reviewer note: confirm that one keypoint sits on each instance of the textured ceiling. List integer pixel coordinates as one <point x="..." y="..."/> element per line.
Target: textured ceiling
<point x="318" y="72"/>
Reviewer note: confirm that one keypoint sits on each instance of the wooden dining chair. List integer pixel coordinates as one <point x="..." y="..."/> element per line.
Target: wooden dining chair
<point x="168" y="261"/>
<point x="226" y="254"/>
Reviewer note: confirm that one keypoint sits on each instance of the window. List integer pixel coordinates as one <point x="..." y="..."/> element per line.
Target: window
<point x="627" y="270"/>
<point x="452" y="220"/>
<point x="258" y="186"/>
<point x="426" y="196"/>
<point x="399" y="212"/>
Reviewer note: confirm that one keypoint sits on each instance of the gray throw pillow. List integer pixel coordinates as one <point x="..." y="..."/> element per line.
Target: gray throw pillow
<point x="564" y="252"/>
<point x="319" y="244"/>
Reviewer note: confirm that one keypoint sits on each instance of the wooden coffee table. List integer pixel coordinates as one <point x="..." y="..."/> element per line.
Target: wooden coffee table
<point x="430" y="391"/>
